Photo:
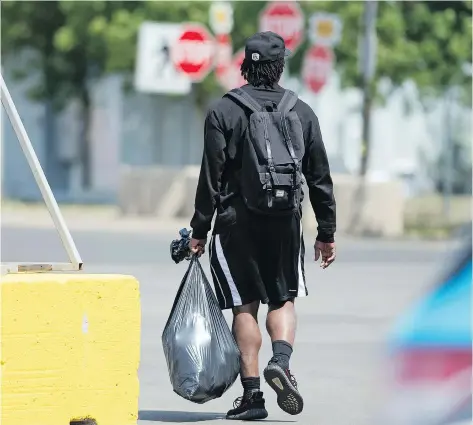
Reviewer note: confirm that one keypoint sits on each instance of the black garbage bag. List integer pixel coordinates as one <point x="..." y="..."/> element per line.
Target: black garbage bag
<point x="202" y="357"/>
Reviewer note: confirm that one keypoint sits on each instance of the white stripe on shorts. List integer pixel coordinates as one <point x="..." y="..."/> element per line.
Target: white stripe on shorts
<point x="212" y="270"/>
<point x="226" y="271"/>
<point x="301" y="291"/>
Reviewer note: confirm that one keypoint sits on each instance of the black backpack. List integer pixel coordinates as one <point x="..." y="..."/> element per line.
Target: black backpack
<point x="271" y="177"/>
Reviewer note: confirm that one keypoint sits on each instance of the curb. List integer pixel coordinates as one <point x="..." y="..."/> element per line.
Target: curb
<point x="94" y="222"/>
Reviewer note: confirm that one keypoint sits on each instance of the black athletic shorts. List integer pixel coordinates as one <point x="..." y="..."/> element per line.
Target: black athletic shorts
<point x="258" y="258"/>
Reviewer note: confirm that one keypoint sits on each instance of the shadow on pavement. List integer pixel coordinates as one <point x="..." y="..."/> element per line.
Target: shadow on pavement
<point x="170" y="416"/>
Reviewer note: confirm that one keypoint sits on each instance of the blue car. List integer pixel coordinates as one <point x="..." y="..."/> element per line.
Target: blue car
<point x="430" y="354"/>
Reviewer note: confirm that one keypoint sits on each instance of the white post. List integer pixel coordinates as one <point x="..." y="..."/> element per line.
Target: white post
<point x="40" y="178"/>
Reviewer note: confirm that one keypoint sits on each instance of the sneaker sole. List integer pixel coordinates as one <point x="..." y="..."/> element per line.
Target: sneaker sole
<point x="289" y="399"/>
<point x="249" y="415"/>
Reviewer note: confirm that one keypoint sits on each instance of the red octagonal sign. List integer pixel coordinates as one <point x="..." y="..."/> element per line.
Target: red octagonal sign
<point x="317" y="67"/>
<point x="286" y="19"/>
<point x="235" y="79"/>
<point x="193" y="52"/>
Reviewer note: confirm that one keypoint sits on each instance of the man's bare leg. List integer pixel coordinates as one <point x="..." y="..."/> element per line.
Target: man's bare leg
<point x="248" y="337"/>
<point x="281" y="324"/>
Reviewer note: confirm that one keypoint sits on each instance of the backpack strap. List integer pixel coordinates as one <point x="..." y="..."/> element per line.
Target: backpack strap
<point x="287" y="102"/>
<point x="245" y="99"/>
<point x="290" y="146"/>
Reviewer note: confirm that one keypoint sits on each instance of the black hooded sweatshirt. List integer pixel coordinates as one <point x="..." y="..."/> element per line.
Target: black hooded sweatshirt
<point x="217" y="188"/>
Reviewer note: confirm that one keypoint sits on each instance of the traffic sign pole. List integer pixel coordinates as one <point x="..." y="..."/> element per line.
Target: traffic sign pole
<point x="224" y="58"/>
<point x="325" y="31"/>
<point x="221" y="23"/>
<point x="233" y="78"/>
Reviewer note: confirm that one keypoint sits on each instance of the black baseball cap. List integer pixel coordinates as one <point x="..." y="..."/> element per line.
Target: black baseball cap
<point x="265" y="47"/>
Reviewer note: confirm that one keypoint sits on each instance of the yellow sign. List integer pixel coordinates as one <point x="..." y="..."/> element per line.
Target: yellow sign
<point x="221" y="17"/>
<point x="325" y="28"/>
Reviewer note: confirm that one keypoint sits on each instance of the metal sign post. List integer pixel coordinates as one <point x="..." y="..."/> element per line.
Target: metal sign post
<point x="48" y="197"/>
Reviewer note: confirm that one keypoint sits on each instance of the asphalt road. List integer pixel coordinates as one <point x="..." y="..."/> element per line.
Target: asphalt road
<point x="338" y="357"/>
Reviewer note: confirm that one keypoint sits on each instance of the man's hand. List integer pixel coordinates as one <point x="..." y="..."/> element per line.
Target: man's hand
<point x="197" y="246"/>
<point x="327" y="250"/>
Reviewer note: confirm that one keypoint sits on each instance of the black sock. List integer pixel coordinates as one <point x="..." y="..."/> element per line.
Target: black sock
<point x="282" y="351"/>
<point x="250" y="385"/>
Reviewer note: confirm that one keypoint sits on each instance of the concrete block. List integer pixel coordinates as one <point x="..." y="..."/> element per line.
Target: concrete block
<point x="142" y="189"/>
<point x="171" y="193"/>
<point x="382" y="213"/>
<point x="70" y="348"/>
<point x="192" y="179"/>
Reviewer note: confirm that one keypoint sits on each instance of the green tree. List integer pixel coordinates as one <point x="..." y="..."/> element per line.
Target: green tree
<point x="96" y="38"/>
<point x="77" y="42"/>
<point x="425" y="41"/>
<point x="428" y="42"/>
<point x="73" y="42"/>
<point x="24" y="25"/>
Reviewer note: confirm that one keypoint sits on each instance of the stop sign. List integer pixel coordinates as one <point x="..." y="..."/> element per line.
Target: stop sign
<point x="317" y="67"/>
<point x="232" y="77"/>
<point x="223" y="55"/>
<point x="238" y="80"/>
<point x="193" y="52"/>
<point x="286" y="19"/>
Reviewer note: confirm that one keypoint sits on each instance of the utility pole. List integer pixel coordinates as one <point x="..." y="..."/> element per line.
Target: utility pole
<point x="448" y="149"/>
<point x="368" y="67"/>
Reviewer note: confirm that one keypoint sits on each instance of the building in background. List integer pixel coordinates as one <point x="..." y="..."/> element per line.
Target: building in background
<point x="145" y="130"/>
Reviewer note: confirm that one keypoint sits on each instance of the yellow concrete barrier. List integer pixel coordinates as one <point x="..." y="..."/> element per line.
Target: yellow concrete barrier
<point x="70" y="349"/>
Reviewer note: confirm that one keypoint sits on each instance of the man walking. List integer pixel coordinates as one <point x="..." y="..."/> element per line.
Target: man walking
<point x="262" y="145"/>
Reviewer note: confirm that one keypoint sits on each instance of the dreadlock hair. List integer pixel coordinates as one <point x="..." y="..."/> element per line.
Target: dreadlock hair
<point x="262" y="73"/>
